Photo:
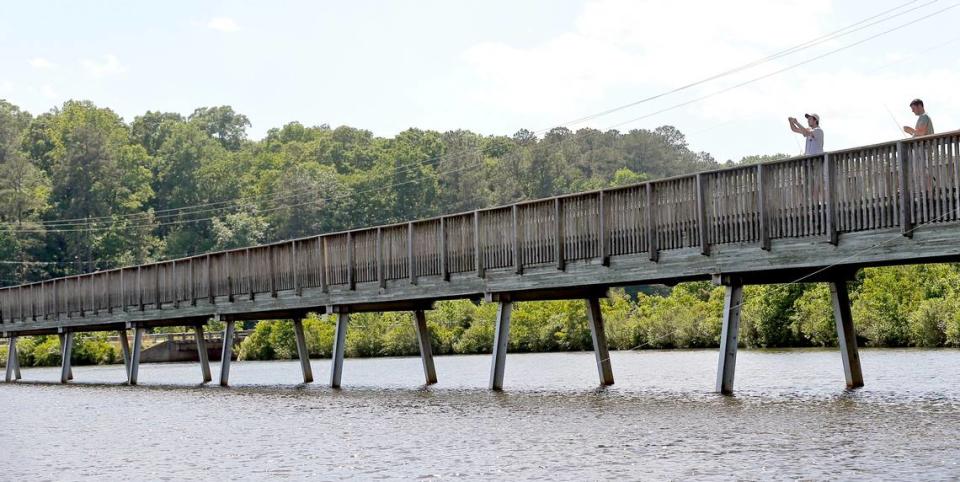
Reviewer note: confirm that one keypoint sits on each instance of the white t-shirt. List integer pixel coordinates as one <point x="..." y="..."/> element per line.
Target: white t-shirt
<point x="814" y="142"/>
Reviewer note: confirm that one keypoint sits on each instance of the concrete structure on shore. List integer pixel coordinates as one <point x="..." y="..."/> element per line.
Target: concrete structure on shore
<point x="807" y="219"/>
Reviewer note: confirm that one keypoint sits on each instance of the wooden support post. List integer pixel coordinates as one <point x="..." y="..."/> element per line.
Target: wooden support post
<point x="322" y="247"/>
<point x="381" y="272"/>
<point x="846" y="334"/>
<point x="193" y="284"/>
<point x="477" y="244"/>
<point x="426" y="351"/>
<point x="339" y="340"/>
<point x="135" y="358"/>
<point x="652" y="225"/>
<point x="56" y="300"/>
<point x="226" y="263"/>
<point x="732" y="299"/>
<point x="63" y="347"/>
<point x="249" y="274"/>
<point x="78" y="291"/>
<point x="702" y="215"/>
<point x="411" y="263"/>
<point x="157" y="294"/>
<point x="444" y="256"/>
<point x="302" y="352"/>
<point x="66" y="352"/>
<point x="762" y="209"/>
<point x="227" y="353"/>
<point x="602" y="234"/>
<point x="517" y="242"/>
<point x="125" y="351"/>
<point x="830" y="197"/>
<point x="351" y="276"/>
<point x="501" y="338"/>
<point x="176" y="284"/>
<point x="906" y="196"/>
<point x="211" y="289"/>
<point x="271" y="260"/>
<point x="599" y="335"/>
<point x="202" y="354"/>
<point x="558" y="248"/>
<point x="295" y="270"/>
<point x="139" y="288"/>
<point x="12" y="362"/>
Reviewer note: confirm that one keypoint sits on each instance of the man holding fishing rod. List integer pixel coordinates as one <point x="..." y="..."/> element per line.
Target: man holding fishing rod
<point x="814" y="133"/>
<point x="924" y="124"/>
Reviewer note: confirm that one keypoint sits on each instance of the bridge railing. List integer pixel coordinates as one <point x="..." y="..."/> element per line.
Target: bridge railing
<point x="896" y="184"/>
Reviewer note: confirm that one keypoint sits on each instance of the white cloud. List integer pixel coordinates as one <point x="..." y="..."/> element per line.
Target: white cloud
<point x="223" y="24"/>
<point x="110" y="66"/>
<point x="6" y="87"/>
<point x="42" y="63"/>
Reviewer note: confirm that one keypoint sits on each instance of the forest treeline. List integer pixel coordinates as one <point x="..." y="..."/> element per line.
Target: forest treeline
<point x="83" y="190"/>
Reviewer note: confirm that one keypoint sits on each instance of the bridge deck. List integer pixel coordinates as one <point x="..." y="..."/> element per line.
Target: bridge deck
<point x="890" y="203"/>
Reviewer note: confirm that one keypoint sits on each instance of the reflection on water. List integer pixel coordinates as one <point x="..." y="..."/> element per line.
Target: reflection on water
<point x="790" y="418"/>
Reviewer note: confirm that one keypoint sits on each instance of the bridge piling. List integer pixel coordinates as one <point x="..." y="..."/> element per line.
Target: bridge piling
<point x="13" y="364"/>
<point x="302" y="352"/>
<point x="62" y="344"/>
<point x="732" y="299"/>
<point x="135" y="358"/>
<point x="599" y="335"/>
<point x="501" y="338"/>
<point x="66" y="351"/>
<point x="125" y="350"/>
<point x="846" y="334"/>
<point x="227" y="353"/>
<point x="426" y="351"/>
<point x="202" y="354"/>
<point x="339" y="340"/>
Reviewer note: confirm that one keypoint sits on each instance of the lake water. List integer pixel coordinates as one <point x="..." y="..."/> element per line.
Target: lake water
<point x="790" y="418"/>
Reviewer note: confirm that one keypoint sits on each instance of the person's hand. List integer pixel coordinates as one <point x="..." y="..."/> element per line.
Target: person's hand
<point x="792" y="119"/>
<point x="909" y="130"/>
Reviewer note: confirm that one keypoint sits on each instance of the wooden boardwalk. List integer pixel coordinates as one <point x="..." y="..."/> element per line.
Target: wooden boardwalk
<point x="811" y="219"/>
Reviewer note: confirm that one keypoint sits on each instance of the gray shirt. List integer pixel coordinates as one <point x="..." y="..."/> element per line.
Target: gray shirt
<point x="814" y="142"/>
<point x="924" y="120"/>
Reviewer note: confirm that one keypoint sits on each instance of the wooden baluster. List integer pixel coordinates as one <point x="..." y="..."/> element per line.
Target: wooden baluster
<point x="322" y="248"/>
<point x="906" y="198"/>
<point x="702" y="214"/>
<point x="211" y="291"/>
<point x="477" y="245"/>
<point x="381" y="275"/>
<point x="651" y="224"/>
<point x="829" y="182"/>
<point x="411" y="264"/>
<point x="762" y="209"/>
<point x="559" y="245"/>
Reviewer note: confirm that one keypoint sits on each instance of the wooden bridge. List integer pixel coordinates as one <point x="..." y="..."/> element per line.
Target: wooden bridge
<point x="810" y="219"/>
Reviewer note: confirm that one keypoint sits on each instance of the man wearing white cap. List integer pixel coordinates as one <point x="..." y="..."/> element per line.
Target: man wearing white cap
<point x="814" y="134"/>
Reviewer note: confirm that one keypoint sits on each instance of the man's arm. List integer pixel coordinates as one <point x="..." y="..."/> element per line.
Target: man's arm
<point x="799" y="129"/>
<point x="922" y="130"/>
<point x="910" y="130"/>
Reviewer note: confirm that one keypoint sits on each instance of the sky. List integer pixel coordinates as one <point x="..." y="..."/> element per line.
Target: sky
<point x="498" y="66"/>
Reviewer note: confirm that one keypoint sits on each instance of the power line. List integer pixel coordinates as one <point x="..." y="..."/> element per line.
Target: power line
<point x="232" y="204"/>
